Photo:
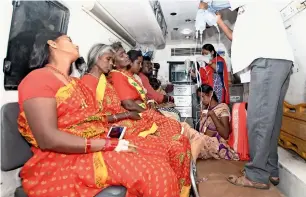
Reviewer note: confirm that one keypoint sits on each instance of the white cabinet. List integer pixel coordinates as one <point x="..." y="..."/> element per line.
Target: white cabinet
<point x="183" y="99"/>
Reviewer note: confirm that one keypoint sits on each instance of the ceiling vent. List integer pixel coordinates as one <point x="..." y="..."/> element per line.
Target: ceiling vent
<point x="186" y="51"/>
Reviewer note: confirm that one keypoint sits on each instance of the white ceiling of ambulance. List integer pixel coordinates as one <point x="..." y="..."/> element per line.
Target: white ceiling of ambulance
<point x="137" y="15"/>
<point x="138" y="19"/>
<point x="186" y="10"/>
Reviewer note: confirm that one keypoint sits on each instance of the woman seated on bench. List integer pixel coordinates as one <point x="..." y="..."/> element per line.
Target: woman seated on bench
<point x="133" y="96"/>
<point x="141" y="67"/>
<point x="100" y="64"/>
<point x="214" y="131"/>
<point x="60" y="118"/>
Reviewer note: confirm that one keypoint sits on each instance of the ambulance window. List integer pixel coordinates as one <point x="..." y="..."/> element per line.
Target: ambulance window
<point x="28" y="18"/>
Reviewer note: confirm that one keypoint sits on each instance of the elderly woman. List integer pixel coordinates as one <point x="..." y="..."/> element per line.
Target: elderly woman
<point x="99" y="65"/>
<point x="61" y="119"/>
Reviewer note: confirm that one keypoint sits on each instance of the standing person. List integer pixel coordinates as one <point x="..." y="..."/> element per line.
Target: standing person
<point x="267" y="56"/>
<point x="218" y="75"/>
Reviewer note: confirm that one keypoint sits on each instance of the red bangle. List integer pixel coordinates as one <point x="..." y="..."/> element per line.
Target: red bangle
<point x="110" y="144"/>
<point x="88" y="145"/>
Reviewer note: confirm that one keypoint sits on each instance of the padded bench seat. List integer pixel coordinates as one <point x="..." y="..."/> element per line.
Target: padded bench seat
<point x="112" y="191"/>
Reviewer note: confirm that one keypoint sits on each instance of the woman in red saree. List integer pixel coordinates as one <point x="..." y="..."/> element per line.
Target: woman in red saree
<point x="215" y="73"/>
<point x="61" y="119"/>
<point x="133" y="97"/>
<point x="99" y="58"/>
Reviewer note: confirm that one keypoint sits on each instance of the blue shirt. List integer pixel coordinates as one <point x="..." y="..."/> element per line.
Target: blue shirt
<point x="217" y="5"/>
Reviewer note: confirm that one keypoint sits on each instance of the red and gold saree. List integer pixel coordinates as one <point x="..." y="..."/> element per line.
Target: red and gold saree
<point x="127" y="87"/>
<point x="178" y="146"/>
<point x="145" y="173"/>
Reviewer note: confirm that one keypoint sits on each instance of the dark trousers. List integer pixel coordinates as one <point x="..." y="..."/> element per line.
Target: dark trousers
<point x="269" y="83"/>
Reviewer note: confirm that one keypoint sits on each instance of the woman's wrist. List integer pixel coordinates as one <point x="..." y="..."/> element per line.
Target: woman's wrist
<point x="127" y="115"/>
<point x="110" y="144"/>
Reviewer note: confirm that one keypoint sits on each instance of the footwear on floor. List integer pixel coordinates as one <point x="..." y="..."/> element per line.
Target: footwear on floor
<point x="243" y="181"/>
<point x="274" y="180"/>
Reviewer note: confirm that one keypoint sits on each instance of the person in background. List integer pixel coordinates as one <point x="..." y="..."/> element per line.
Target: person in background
<point x="266" y="57"/>
<point x="215" y="73"/>
<point x="145" y="74"/>
<point x="136" y="65"/>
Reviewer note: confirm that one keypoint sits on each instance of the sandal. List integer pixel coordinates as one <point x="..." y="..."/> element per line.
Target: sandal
<point x="274" y="180"/>
<point x="245" y="182"/>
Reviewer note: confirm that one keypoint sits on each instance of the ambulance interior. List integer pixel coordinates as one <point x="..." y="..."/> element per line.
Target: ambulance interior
<point x="165" y="28"/>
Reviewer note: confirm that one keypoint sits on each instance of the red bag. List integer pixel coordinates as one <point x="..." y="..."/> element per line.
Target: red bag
<point x="238" y="139"/>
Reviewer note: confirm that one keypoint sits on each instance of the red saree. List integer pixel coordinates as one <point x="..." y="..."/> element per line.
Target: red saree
<point x="178" y="146"/>
<point x="238" y="139"/>
<point x="127" y="87"/>
<point x="145" y="173"/>
<point x="208" y="77"/>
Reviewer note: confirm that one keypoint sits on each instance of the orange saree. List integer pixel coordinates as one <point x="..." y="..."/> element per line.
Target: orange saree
<point x="178" y="146"/>
<point x="127" y="87"/>
<point x="145" y="173"/>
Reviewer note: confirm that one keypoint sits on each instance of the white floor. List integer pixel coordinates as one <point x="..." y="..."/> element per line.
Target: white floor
<point x="292" y="174"/>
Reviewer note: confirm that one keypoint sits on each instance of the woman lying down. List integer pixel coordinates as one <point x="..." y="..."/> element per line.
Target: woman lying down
<point x="62" y="120"/>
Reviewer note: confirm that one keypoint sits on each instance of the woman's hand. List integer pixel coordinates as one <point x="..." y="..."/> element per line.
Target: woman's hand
<point x="192" y="73"/>
<point x="125" y="146"/>
<point x="211" y="113"/>
<point x="151" y="105"/>
<point x="134" y="115"/>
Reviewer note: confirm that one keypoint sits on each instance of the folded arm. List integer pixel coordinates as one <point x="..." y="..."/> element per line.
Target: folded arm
<point x="131" y="105"/>
<point x="221" y="124"/>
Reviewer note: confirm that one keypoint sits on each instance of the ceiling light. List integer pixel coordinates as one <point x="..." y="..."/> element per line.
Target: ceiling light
<point x="186" y="31"/>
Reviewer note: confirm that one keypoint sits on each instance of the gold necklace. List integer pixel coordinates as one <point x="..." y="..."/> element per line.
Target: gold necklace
<point x="69" y="79"/>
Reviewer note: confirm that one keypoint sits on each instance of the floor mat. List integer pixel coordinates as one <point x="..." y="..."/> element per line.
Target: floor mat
<point x="212" y="175"/>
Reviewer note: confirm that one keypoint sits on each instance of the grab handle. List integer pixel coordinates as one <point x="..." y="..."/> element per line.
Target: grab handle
<point x="288" y="108"/>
